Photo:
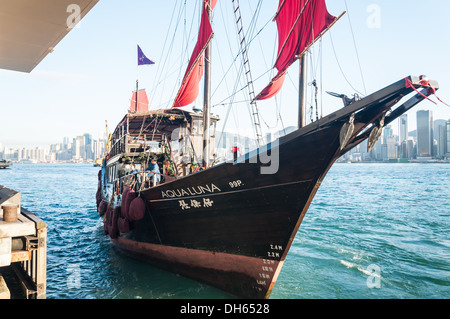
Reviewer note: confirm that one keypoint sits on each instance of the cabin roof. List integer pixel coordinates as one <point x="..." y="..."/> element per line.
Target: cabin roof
<point x="155" y="123"/>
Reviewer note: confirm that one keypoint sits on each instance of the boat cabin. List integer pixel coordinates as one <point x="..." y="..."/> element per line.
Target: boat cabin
<point x="173" y="137"/>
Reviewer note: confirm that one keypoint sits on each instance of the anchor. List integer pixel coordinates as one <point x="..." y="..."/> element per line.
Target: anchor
<point x="347" y="131"/>
<point x="345" y="99"/>
<point x="375" y="133"/>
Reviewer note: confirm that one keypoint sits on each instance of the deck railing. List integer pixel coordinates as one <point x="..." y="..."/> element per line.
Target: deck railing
<point x="140" y="181"/>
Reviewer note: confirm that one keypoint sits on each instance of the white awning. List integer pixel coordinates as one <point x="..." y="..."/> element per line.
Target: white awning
<point x="30" y="29"/>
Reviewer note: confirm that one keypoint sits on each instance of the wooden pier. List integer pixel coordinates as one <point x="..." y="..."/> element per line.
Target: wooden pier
<point x="23" y="249"/>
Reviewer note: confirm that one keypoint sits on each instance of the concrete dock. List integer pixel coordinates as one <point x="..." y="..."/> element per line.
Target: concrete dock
<point x="23" y="249"/>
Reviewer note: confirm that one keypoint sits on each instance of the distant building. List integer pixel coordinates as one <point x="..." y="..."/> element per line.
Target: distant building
<point x="424" y="133"/>
<point x="403" y="127"/>
<point x="440" y="135"/>
<point x="447" y="151"/>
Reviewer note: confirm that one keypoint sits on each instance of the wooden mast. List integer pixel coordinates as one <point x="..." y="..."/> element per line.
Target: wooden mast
<point x="207" y="98"/>
<point x="302" y="92"/>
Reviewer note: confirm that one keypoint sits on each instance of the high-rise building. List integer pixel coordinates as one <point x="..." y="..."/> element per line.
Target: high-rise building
<point x="387" y="133"/>
<point x="447" y="150"/>
<point x="441" y="138"/>
<point x="403" y="126"/>
<point x="424" y="133"/>
<point x="88" y="147"/>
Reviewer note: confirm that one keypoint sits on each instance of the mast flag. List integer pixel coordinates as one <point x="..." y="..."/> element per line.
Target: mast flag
<point x="189" y="89"/>
<point x="299" y="24"/>
<point x="142" y="59"/>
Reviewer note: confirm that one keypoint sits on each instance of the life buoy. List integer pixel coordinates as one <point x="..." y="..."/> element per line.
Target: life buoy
<point x="136" y="210"/>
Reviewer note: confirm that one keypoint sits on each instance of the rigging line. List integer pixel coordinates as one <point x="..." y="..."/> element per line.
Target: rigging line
<point x="167" y="54"/>
<point x="236" y="57"/>
<point x="339" y="65"/>
<point x="241" y="89"/>
<point x="229" y="46"/>
<point x="161" y="66"/>
<point x="174" y="86"/>
<point x="231" y="104"/>
<point x="356" y="48"/>
<point x="252" y="25"/>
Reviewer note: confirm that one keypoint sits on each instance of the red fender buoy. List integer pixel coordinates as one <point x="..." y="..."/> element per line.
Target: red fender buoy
<point x="105" y="227"/>
<point x="137" y="209"/>
<point x="107" y="221"/>
<point x="124" y="225"/>
<point x="131" y="195"/>
<point x="98" y="197"/>
<point x="124" y="198"/>
<point x="113" y="228"/>
<point x="102" y="208"/>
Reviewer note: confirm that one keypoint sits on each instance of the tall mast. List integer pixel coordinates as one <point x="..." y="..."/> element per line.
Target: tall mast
<point x="206" y="105"/>
<point x="302" y="92"/>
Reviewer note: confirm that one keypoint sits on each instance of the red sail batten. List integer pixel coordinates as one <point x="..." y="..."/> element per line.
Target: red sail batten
<point x="299" y="23"/>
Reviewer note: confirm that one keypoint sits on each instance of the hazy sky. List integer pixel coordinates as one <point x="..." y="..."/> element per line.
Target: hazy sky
<point x="90" y="76"/>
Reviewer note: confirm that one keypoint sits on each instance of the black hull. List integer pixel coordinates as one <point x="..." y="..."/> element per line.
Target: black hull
<point x="240" y="223"/>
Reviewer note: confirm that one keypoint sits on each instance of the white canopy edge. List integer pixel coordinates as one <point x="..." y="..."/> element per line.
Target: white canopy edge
<point x="30" y="29"/>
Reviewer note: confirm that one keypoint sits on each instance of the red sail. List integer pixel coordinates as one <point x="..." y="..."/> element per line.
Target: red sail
<point x="142" y="105"/>
<point x="299" y="23"/>
<point x="189" y="88"/>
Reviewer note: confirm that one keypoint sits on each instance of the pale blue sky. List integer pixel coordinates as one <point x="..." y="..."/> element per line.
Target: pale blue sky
<point x="91" y="73"/>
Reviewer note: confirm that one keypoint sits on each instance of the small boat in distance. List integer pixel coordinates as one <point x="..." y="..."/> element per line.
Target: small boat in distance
<point x="5" y="164"/>
<point x="166" y="200"/>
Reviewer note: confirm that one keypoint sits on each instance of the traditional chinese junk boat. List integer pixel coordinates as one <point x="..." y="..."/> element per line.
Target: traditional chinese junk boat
<point x="231" y="224"/>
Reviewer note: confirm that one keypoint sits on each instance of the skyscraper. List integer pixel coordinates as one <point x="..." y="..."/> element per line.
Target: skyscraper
<point x="447" y="125"/>
<point x="424" y="133"/>
<point x="403" y="125"/>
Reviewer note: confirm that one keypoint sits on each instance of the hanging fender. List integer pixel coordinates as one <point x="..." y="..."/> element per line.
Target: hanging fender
<point x="126" y="201"/>
<point x="123" y="225"/>
<point x="113" y="227"/>
<point x="136" y="209"/>
<point x="102" y="207"/>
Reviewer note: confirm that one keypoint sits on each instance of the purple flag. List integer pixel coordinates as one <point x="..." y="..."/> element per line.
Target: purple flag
<point x="142" y="59"/>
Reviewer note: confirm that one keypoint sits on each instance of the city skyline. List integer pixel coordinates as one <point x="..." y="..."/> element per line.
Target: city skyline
<point x="86" y="81"/>
<point x="81" y="148"/>
<point x="430" y="139"/>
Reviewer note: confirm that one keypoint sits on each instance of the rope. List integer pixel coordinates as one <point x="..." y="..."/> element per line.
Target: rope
<point x="339" y="65"/>
<point x="430" y="89"/>
<point x="356" y="48"/>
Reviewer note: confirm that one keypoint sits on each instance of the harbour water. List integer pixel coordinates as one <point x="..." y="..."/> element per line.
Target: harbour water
<point x="373" y="231"/>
